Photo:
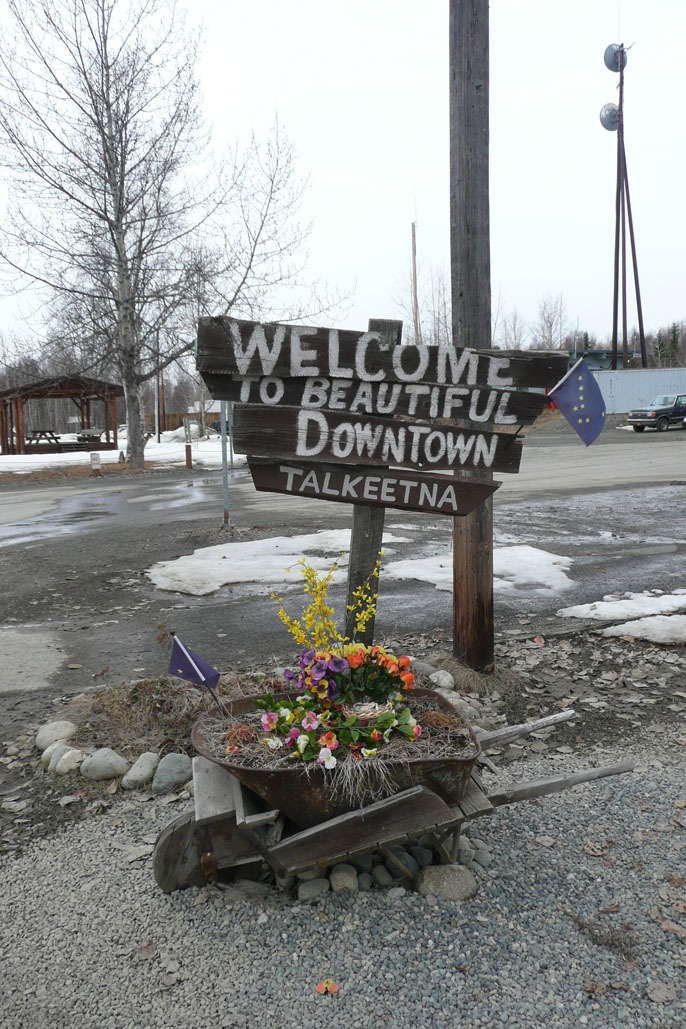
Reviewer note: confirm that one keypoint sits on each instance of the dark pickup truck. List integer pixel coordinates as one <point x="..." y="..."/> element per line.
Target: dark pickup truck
<point x="662" y="412"/>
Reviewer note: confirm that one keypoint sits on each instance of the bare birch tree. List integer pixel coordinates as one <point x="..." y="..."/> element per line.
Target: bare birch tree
<point x="552" y="325"/>
<point x="117" y="208"/>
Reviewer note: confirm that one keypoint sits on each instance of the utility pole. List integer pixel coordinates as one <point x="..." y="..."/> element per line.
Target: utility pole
<point x="470" y="277"/>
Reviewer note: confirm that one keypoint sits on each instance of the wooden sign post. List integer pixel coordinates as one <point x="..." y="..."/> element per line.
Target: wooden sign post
<point x="470" y="274"/>
<point x="356" y="418"/>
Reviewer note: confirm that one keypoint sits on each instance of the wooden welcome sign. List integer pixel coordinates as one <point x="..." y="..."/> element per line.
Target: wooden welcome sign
<point x="347" y="416"/>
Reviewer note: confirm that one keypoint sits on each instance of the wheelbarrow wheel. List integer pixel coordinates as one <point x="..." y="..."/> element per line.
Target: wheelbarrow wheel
<point x="175" y="858"/>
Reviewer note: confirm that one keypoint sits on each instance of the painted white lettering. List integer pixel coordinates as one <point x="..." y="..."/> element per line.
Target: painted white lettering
<point x="387" y="397"/>
<point x="367" y="438"/>
<point x="371" y="488"/>
<point x="246" y="386"/>
<point x="290" y="474"/>
<point x="502" y="416"/>
<point x="361" y="369"/>
<point x="310" y="482"/>
<point x="335" y="369"/>
<point x="407" y="485"/>
<point x="402" y="356"/>
<point x="452" y="366"/>
<point x="271" y="391"/>
<point x="349" y="487"/>
<point x="448" y="498"/>
<point x="388" y="491"/>
<point x="363" y="399"/>
<point x="414" y="393"/>
<point x="497" y="369"/>
<point x="299" y="354"/>
<point x="325" y="486"/>
<point x="485" y="450"/>
<point x="454" y="398"/>
<point x="435" y="397"/>
<point x="256" y="345"/>
<point x="338" y="395"/>
<point x="459" y="447"/>
<point x="434" y="447"/>
<point x="314" y="393"/>
<point x="416" y="432"/>
<point x="486" y="414"/>
<point x="428" y="493"/>
<point x="343" y="440"/>
<point x="306" y="445"/>
<point x="394" y="445"/>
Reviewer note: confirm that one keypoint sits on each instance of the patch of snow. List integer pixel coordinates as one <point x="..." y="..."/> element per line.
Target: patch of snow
<point x="513" y="568"/>
<point x="634" y="605"/>
<point x="272" y="562"/>
<point x="655" y="629"/>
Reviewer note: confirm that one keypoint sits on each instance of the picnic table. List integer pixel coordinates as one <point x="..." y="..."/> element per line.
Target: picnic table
<point x="47" y="435"/>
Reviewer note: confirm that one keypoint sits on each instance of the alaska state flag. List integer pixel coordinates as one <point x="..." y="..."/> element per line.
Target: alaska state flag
<point x="187" y="665"/>
<point x="578" y="397"/>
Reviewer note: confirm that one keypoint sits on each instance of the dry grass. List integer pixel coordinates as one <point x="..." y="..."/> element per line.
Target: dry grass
<point x="151" y="714"/>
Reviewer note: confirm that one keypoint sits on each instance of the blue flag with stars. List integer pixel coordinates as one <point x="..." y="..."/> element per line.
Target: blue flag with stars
<point x="185" y="664"/>
<point x="577" y="396"/>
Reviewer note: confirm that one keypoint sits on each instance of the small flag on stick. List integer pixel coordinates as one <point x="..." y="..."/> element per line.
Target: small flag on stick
<point x="577" y="396"/>
<point x="186" y="664"/>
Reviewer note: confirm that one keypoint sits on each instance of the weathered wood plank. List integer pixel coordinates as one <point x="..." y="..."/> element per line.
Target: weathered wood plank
<point x="414" y="810"/>
<point x="403" y="490"/>
<point x="234" y="347"/>
<point x="366" y="531"/>
<point x="555" y="784"/>
<point x="212" y="791"/>
<point x="474" y="803"/>
<point x="424" y="401"/>
<point x="251" y="810"/>
<point x="513" y="732"/>
<point x="341" y="439"/>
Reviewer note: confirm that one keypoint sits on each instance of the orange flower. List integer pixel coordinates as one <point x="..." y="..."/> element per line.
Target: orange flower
<point x="356" y="658"/>
<point x="328" y="739"/>
<point x="404" y="662"/>
<point x="407" y="680"/>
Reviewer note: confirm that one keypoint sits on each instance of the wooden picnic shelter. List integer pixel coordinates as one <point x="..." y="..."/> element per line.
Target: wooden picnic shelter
<point x="83" y="392"/>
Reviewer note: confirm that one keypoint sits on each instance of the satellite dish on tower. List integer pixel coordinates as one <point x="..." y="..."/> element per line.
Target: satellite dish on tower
<point x="615" y="53"/>
<point x="609" y="117"/>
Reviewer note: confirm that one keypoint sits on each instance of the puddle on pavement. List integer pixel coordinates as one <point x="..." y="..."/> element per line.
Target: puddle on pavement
<point x="74" y="514"/>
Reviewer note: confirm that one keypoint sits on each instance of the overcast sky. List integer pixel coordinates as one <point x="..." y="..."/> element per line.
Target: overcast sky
<point x="362" y="88"/>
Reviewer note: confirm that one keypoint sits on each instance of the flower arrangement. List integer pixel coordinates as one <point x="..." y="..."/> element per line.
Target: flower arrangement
<point x="350" y="698"/>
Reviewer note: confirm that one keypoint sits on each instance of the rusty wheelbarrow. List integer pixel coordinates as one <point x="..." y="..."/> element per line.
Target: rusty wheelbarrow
<point x="232" y="825"/>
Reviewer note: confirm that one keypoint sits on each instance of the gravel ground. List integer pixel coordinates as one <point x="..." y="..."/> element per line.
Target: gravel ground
<point x="579" y="921"/>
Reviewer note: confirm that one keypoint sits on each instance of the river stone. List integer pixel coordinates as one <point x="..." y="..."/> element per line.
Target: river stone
<point x="52" y="731"/>
<point x="173" y="770"/>
<point x="422" y="668"/>
<point x="141" y="772"/>
<point x="381" y="876"/>
<point x="442" y="680"/>
<point x="451" y="882"/>
<point x="69" y="762"/>
<point x="105" y="763"/>
<point x="56" y="753"/>
<point x="343" y="877"/>
<point x="364" y="882"/>
<point x="422" y="855"/>
<point x="46" y="756"/>
<point x="313" y="888"/>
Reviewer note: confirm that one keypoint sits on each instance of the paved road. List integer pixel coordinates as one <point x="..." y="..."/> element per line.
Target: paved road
<point x="73" y="557"/>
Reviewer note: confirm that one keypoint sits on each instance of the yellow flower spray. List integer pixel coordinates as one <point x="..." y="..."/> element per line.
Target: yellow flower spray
<point x="317" y="630"/>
